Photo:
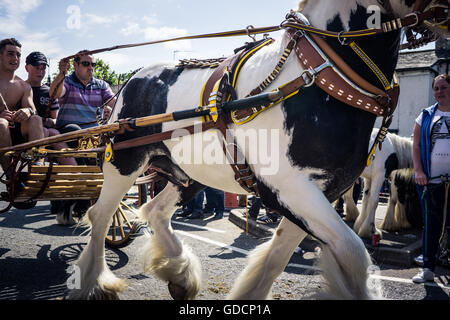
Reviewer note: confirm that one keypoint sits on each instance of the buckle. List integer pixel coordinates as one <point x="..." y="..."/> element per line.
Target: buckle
<point x="249" y="32"/>
<point x="342" y="41"/>
<point x="312" y="77"/>
<point x="414" y="14"/>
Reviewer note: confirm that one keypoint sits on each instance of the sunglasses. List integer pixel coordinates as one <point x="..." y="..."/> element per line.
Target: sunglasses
<point x="87" y="64"/>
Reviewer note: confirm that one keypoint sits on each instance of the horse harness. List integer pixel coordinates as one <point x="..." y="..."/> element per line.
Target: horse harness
<point x="322" y="66"/>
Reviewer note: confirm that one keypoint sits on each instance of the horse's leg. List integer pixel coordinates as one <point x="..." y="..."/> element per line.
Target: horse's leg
<point x="365" y="223"/>
<point x="351" y="210"/>
<point x="97" y="281"/>
<point x="267" y="262"/>
<point x="345" y="261"/>
<point x="165" y="254"/>
<point x="388" y="223"/>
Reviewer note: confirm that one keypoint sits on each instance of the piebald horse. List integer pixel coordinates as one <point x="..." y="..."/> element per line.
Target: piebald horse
<point x="396" y="153"/>
<point x="322" y="148"/>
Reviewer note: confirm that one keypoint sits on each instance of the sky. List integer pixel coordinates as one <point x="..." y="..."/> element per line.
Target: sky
<point x="60" y="28"/>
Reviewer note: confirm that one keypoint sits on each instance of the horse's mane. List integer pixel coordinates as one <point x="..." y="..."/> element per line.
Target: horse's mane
<point x="403" y="149"/>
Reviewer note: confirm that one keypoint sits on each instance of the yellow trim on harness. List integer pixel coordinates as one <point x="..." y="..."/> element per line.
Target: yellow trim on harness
<point x="212" y="104"/>
<point x="371" y="157"/>
<point x="108" y="152"/>
<point x="375" y="69"/>
<point x="249" y="118"/>
<point x="244" y="59"/>
<point x="213" y="95"/>
<point x="395" y="83"/>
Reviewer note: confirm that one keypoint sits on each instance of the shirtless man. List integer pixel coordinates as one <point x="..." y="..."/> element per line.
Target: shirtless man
<point x="18" y="120"/>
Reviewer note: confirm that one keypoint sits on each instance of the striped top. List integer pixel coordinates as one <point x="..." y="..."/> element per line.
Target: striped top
<point x="79" y="104"/>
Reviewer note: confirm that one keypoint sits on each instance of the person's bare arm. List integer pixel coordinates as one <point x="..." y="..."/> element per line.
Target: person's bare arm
<point x="420" y="176"/>
<point x="57" y="89"/>
<point x="51" y="121"/>
<point x="108" y="108"/>
<point x="27" y="105"/>
<point x="5" y="112"/>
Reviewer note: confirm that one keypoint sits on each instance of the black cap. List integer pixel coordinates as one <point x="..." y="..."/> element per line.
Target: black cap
<point x="36" y="58"/>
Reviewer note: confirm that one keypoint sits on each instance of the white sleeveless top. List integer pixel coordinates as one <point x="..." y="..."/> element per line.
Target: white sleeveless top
<point x="440" y="144"/>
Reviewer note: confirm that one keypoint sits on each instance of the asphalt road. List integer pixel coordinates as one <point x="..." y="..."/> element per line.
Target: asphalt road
<point x="35" y="253"/>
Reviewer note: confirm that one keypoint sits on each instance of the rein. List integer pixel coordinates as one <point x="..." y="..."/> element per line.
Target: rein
<point x="322" y="66"/>
<point x="440" y="14"/>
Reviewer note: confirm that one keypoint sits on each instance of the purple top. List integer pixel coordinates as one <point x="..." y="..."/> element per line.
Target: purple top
<point x="80" y="102"/>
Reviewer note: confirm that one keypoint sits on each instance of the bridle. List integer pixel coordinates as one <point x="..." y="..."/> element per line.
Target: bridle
<point x="418" y="34"/>
<point x="419" y="6"/>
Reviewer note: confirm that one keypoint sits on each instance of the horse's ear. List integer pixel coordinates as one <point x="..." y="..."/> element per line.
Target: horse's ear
<point x="302" y="5"/>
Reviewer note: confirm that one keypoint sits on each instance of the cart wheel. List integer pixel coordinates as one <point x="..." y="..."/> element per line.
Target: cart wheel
<point x="5" y="203"/>
<point x="124" y="224"/>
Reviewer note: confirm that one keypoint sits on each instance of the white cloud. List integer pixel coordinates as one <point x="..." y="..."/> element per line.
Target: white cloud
<point x="117" y="61"/>
<point x="131" y="29"/>
<point x="13" y="16"/>
<point x="152" y="20"/>
<point x="153" y="33"/>
<point x="44" y="43"/>
<point x="41" y="41"/>
<point x="12" y="22"/>
<point x="91" y="19"/>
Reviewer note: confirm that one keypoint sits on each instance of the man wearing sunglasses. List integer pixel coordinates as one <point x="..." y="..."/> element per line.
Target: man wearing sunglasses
<point x="81" y="95"/>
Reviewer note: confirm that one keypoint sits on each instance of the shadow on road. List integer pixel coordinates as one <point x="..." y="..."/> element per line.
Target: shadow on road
<point x="45" y="276"/>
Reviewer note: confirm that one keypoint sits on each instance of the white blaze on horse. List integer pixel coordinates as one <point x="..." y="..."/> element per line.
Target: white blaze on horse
<point x="322" y="148"/>
<point x="396" y="153"/>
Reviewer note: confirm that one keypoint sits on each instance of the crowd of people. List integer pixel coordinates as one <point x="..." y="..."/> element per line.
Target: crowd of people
<point x="26" y="113"/>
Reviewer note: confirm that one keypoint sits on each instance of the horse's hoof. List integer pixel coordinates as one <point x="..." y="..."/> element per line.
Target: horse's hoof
<point x="177" y="292"/>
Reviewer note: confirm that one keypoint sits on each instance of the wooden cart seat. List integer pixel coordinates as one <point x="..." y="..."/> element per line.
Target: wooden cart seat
<point x="66" y="182"/>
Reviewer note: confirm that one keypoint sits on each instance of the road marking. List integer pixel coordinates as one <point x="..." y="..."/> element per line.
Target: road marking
<point x="306" y="267"/>
<point x="197" y="227"/>
<point x="409" y="281"/>
<point x="216" y="243"/>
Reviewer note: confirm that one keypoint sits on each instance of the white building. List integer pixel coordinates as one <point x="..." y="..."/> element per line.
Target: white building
<point x="416" y="70"/>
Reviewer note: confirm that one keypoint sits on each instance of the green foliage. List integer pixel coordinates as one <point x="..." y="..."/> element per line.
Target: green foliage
<point x="103" y="71"/>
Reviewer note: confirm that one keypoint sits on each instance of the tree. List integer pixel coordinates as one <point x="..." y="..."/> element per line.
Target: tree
<point x="103" y="71"/>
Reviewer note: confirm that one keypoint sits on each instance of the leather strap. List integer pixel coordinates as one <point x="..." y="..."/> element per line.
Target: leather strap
<point x="242" y="171"/>
<point x="420" y="5"/>
<point x="334" y="84"/>
<point x="381" y="103"/>
<point x="216" y="76"/>
<point x="157" y="137"/>
<point x="233" y="65"/>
